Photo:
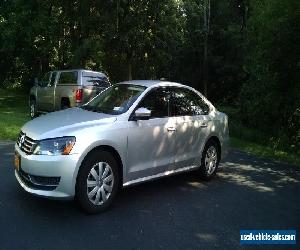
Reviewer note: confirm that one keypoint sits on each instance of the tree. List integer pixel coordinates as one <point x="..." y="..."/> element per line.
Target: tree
<point x="271" y="96"/>
<point x="206" y="22"/>
<point x="143" y="38"/>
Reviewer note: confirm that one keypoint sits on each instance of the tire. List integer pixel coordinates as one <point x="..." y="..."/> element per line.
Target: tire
<point x="100" y="194"/>
<point x="65" y="106"/>
<point x="210" y="160"/>
<point x="33" y="109"/>
<point x="65" y="103"/>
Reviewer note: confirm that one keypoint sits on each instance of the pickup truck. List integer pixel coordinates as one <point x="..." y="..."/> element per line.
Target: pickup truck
<point x="61" y="89"/>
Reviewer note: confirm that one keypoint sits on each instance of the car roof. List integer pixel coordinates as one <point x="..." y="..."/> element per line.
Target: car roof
<point x="150" y="83"/>
<point x="158" y="83"/>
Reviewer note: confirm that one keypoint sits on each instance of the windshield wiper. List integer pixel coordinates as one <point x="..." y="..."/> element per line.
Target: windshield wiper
<point x="95" y="109"/>
<point x="89" y="108"/>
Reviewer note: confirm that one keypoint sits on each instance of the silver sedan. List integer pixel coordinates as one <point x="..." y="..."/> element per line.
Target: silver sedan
<point x="132" y="132"/>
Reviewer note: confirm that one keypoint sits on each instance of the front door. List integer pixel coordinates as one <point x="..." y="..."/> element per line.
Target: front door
<point x="151" y="142"/>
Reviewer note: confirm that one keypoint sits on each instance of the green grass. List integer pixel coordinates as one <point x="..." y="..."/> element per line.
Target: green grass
<point x="14" y="112"/>
<point x="256" y="142"/>
<point x="265" y="151"/>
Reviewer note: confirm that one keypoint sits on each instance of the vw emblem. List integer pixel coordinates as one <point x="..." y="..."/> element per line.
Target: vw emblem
<point x="21" y="141"/>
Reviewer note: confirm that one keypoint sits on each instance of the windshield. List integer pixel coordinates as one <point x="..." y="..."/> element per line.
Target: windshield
<point x="115" y="100"/>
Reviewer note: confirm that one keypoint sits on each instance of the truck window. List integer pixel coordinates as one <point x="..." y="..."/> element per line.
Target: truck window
<point x="68" y="77"/>
<point x="53" y="77"/>
<point x="95" y="80"/>
<point x="45" y="80"/>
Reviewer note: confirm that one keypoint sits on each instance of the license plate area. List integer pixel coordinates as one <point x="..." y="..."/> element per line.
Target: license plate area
<point x="17" y="161"/>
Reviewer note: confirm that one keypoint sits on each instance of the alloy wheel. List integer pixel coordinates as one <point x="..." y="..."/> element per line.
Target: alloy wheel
<point x="100" y="183"/>
<point x="211" y="159"/>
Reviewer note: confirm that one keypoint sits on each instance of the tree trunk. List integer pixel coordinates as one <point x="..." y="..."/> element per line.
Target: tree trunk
<point x="117" y="23"/>
<point x="244" y="16"/>
<point x="204" y="70"/>
<point x="129" y="70"/>
<point x="129" y="59"/>
<point x="206" y="17"/>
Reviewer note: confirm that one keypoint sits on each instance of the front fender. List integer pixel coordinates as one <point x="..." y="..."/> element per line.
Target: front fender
<point x="96" y="144"/>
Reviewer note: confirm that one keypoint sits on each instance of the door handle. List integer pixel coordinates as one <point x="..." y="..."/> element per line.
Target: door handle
<point x="171" y="129"/>
<point x="203" y="124"/>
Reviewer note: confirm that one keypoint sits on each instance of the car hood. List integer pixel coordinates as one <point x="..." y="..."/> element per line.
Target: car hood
<point x="64" y="122"/>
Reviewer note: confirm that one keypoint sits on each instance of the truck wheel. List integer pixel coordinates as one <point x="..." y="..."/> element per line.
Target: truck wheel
<point x="32" y="109"/>
<point x="97" y="182"/>
<point x="65" y="103"/>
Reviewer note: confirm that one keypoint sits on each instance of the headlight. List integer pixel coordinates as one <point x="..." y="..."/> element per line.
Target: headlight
<point x="55" y="146"/>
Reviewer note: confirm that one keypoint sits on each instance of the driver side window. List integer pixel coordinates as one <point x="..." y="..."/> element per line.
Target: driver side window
<point x="157" y="101"/>
<point x="45" y="80"/>
<point x="52" y="80"/>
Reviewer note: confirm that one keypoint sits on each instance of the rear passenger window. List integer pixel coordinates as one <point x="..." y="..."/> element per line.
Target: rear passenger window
<point x="186" y="102"/>
<point x="68" y="77"/>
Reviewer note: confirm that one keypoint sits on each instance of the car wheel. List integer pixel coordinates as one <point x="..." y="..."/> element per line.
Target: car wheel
<point x="97" y="182"/>
<point x="210" y="160"/>
<point x="32" y="109"/>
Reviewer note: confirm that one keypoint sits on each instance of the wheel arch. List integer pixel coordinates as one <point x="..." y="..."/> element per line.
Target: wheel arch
<point x="217" y="141"/>
<point x="106" y="148"/>
<point x="65" y="101"/>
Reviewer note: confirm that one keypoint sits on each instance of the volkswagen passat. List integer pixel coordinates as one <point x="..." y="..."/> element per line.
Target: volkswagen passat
<point x="132" y="132"/>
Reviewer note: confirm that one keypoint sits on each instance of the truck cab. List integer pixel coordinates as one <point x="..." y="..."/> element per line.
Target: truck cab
<point x="61" y="89"/>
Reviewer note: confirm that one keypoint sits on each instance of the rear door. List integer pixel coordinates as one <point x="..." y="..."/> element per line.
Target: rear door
<point x="45" y="92"/>
<point x="192" y="126"/>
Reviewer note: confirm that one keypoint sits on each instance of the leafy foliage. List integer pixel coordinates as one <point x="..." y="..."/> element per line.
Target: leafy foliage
<point x="270" y="98"/>
<point x="245" y="50"/>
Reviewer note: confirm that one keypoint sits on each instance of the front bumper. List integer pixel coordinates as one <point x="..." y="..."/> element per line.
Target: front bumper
<point x="62" y="169"/>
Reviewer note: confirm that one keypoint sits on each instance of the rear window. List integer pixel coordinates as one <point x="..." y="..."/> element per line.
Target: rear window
<point x="68" y="77"/>
<point x="99" y="80"/>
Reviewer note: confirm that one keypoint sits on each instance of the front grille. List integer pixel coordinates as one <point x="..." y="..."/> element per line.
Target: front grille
<point x="39" y="182"/>
<point x="25" y="143"/>
<point x="45" y="181"/>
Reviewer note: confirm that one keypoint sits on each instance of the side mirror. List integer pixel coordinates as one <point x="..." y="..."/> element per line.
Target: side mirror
<point x="36" y="81"/>
<point x="142" y="114"/>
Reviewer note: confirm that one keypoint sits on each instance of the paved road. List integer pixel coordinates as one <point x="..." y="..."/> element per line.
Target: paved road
<point x="178" y="212"/>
